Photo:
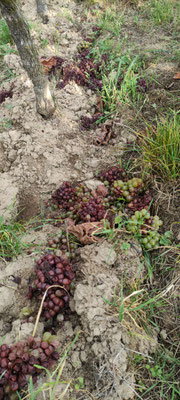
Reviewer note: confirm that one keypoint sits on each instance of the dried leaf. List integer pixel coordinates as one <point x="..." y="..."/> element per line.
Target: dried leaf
<point x="48" y="64"/>
<point x="85" y="232"/>
<point x="177" y="75"/>
<point x="105" y="135"/>
<point x="52" y="63"/>
<point x="102" y="190"/>
<point x="99" y="105"/>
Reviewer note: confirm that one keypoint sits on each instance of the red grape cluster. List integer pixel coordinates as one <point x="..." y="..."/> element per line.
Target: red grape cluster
<point x="52" y="270"/>
<point x="141" y="201"/>
<point x="80" y="205"/>
<point x="88" y="122"/>
<point x="112" y="174"/>
<point x="18" y="361"/>
<point x="142" y="85"/>
<point x="92" y="210"/>
<point x="65" y="197"/>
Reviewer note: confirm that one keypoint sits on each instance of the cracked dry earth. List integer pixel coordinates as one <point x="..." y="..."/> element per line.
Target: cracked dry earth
<point x="36" y="156"/>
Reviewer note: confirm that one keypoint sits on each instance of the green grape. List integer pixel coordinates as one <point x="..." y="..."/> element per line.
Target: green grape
<point x="46" y="336"/>
<point x="133" y="229"/>
<point x="120" y="183"/>
<point x="145" y="240"/>
<point x="138" y="214"/>
<point x="106" y="183"/>
<point x="143" y="212"/>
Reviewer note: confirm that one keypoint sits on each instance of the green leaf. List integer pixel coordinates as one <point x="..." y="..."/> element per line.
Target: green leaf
<point x="118" y="219"/>
<point x="81" y="381"/>
<point x="77" y="387"/>
<point x="166" y="238"/>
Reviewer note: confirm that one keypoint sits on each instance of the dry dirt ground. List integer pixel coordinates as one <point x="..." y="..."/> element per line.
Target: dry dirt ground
<point x="36" y="156"/>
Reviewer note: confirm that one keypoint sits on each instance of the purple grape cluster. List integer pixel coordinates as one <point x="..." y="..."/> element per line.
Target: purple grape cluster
<point x="52" y="270"/>
<point x="88" y="122"/>
<point x="17" y="363"/>
<point x="65" y="197"/>
<point x="81" y="205"/>
<point x="112" y="174"/>
<point x="92" y="210"/>
<point x="142" y="85"/>
<point x="140" y="202"/>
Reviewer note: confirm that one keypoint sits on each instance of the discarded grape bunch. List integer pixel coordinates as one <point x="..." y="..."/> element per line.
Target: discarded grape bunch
<point x="52" y="270"/>
<point x="128" y="189"/>
<point x="4" y="94"/>
<point x="17" y="363"/>
<point x="88" y="122"/>
<point x="142" y="85"/>
<point x="143" y="200"/>
<point x="92" y="210"/>
<point x="65" y="197"/>
<point x="112" y="174"/>
<point x="79" y="204"/>
<point x="68" y="245"/>
<point x="147" y="226"/>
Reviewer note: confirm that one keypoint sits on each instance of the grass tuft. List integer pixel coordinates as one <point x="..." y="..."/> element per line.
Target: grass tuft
<point x="161" y="148"/>
<point x="163" y="12"/>
<point x="5" y="36"/>
<point x="11" y="237"/>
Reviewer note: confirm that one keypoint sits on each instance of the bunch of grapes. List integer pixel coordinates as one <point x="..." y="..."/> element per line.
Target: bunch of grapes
<point x="91" y="210"/>
<point x="142" y="85"/>
<point x="128" y="189"/>
<point x="141" y="222"/>
<point x="52" y="270"/>
<point x="150" y="240"/>
<point x="18" y="361"/>
<point x="68" y="246"/>
<point x="141" y="201"/>
<point x="156" y="222"/>
<point x="65" y="197"/>
<point x="112" y="174"/>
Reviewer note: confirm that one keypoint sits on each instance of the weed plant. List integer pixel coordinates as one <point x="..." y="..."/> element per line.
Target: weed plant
<point x="5" y="36"/>
<point x="121" y="72"/>
<point x="163" y="12"/>
<point x="11" y="239"/>
<point x="5" y="39"/>
<point x="161" y="148"/>
<point x="160" y="374"/>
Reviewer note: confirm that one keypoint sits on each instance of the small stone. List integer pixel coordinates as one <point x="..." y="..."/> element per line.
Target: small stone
<point x="12" y="155"/>
<point x="163" y="334"/>
<point x="60" y="318"/>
